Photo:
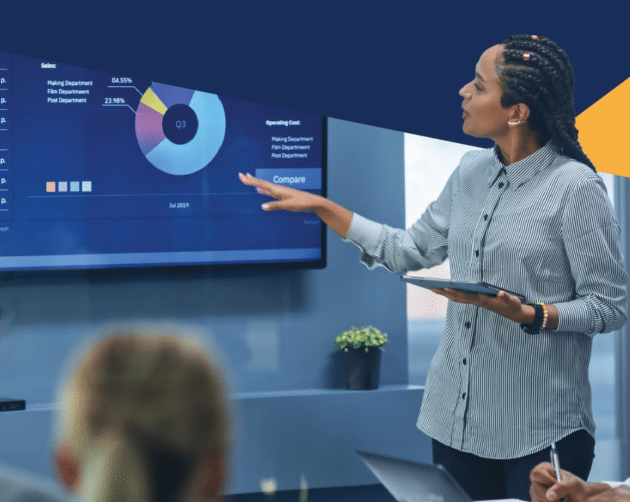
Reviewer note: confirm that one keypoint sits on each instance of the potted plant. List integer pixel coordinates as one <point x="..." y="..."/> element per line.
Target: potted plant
<point x="362" y="349"/>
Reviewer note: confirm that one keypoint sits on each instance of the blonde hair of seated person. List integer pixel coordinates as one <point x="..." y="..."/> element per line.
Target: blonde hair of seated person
<point x="144" y="418"/>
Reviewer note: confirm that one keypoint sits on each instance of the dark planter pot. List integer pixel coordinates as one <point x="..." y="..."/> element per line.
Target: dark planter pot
<point x="363" y="368"/>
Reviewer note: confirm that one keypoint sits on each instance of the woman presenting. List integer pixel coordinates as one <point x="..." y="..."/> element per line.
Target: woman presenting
<point x="529" y="215"/>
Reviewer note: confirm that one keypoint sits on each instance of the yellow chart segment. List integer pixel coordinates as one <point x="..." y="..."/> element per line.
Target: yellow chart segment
<point x="152" y="101"/>
<point x="604" y="131"/>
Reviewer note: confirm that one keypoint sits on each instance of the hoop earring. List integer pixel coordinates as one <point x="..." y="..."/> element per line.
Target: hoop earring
<point x="514" y="123"/>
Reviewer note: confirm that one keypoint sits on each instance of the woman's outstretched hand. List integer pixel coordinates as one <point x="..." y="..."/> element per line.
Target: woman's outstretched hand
<point x="291" y="199"/>
<point x="288" y="198"/>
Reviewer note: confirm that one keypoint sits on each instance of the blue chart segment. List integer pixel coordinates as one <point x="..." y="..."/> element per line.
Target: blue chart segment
<point x="179" y="130"/>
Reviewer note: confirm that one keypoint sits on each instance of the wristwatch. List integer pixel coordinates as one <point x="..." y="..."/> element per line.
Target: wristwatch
<point x="539" y="317"/>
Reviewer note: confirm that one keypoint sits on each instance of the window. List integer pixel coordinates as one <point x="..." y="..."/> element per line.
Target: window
<point x="428" y="165"/>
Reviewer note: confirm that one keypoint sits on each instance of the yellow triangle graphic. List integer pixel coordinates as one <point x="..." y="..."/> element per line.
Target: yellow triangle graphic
<point x="604" y="131"/>
<point x="152" y="101"/>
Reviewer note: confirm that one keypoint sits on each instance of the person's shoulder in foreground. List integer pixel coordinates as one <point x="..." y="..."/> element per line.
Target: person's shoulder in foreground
<point x="17" y="486"/>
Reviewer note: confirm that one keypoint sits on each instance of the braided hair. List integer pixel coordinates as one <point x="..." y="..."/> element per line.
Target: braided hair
<point x="535" y="71"/>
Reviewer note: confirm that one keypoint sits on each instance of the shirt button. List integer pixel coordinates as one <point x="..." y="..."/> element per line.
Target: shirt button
<point x="464" y="361"/>
<point x="477" y="253"/>
<point x="485" y="217"/>
<point x="467" y="324"/>
<point x="464" y="395"/>
<point x="501" y="185"/>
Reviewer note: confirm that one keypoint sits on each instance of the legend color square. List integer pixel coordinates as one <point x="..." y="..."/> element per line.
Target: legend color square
<point x="74" y="186"/>
<point x="50" y="186"/>
<point x="86" y="186"/>
<point x="62" y="186"/>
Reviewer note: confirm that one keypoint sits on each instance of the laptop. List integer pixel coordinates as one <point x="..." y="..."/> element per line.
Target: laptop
<point x="410" y="481"/>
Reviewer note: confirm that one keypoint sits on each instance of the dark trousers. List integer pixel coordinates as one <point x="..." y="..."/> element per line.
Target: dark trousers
<point x="486" y="479"/>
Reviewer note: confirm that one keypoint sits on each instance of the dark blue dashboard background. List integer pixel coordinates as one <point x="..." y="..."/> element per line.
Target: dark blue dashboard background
<point x="396" y="64"/>
<point x="128" y="209"/>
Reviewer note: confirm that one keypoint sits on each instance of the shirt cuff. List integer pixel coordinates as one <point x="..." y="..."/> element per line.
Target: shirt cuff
<point x="364" y="233"/>
<point x="576" y="316"/>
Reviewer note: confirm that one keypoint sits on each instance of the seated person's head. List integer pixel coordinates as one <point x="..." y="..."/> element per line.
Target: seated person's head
<point x="143" y="419"/>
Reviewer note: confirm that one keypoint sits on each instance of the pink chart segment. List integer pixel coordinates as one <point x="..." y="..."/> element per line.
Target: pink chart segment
<point x="148" y="128"/>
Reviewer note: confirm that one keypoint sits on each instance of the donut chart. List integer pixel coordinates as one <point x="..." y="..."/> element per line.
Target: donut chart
<point x="179" y="130"/>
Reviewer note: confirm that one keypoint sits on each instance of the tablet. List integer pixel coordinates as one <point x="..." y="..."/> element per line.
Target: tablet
<point x="465" y="286"/>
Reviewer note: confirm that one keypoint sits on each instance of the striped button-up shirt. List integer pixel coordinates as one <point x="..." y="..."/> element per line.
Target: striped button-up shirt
<point x="542" y="227"/>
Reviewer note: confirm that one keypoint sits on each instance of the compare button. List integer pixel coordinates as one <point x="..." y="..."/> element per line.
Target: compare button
<point x="306" y="178"/>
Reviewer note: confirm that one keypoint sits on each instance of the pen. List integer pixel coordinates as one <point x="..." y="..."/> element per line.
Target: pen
<point x="555" y="462"/>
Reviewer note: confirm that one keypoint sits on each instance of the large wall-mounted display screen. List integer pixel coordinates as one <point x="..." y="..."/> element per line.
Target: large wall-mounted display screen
<point x="100" y="170"/>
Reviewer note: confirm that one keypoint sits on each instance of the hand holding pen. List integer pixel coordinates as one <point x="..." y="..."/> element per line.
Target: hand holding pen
<point x="549" y="484"/>
<point x="555" y="462"/>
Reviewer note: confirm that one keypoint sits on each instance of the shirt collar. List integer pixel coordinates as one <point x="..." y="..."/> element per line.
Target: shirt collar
<point x="523" y="170"/>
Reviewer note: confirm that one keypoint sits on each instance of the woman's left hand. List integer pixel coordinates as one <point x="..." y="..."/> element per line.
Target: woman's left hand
<point x="503" y="304"/>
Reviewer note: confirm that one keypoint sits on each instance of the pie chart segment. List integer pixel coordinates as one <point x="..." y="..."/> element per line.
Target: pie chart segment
<point x="148" y="128"/>
<point x="171" y="95"/>
<point x="212" y="128"/>
<point x="152" y="101"/>
<point x="195" y="125"/>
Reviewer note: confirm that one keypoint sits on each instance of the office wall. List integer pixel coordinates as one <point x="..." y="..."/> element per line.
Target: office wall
<point x="273" y="329"/>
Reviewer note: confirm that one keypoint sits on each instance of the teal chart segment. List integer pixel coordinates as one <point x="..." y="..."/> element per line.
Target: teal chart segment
<point x="179" y="130"/>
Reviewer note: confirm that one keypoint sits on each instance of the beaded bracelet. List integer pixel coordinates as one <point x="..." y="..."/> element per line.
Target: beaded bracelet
<point x="545" y="314"/>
